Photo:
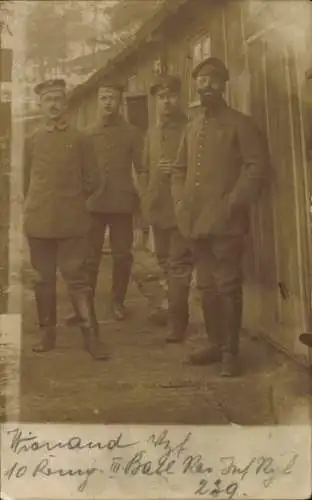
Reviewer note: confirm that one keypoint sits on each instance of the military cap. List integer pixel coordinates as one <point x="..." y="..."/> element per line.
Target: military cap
<point x="215" y="64"/>
<point x="166" y="82"/>
<point x="113" y="83"/>
<point x="49" y="85"/>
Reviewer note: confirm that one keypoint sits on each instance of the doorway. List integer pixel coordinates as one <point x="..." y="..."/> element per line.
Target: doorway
<point x="137" y="114"/>
<point x="137" y="110"/>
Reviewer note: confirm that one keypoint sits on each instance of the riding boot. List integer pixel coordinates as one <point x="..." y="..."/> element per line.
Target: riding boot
<point x="84" y="308"/>
<point x="120" y="282"/>
<point x="46" y="309"/>
<point x="47" y="341"/>
<point x="231" y="308"/>
<point x="73" y="319"/>
<point x="178" y="312"/>
<point x="211" y="312"/>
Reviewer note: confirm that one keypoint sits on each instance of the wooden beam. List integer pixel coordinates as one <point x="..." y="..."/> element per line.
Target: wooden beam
<point x="5" y="170"/>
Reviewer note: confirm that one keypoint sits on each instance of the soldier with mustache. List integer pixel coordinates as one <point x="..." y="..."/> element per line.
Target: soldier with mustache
<point x="60" y="176"/>
<point x="222" y="164"/>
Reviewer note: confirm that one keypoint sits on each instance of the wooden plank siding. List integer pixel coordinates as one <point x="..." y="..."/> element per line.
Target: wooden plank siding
<point x="265" y="81"/>
<point x="282" y="288"/>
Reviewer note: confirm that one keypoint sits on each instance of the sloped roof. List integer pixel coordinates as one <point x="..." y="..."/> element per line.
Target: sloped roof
<point x="168" y="8"/>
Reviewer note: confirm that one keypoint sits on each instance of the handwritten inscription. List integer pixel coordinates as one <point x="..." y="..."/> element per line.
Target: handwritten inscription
<point x="23" y="444"/>
<point x="157" y="455"/>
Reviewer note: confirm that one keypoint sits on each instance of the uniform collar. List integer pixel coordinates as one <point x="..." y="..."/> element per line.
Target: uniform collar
<point x="51" y="125"/>
<point x="109" y="121"/>
<point x="217" y="110"/>
<point x="173" y="119"/>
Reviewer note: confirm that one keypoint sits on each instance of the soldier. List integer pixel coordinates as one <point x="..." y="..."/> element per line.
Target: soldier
<point x="222" y="164"/>
<point x="171" y="248"/>
<point x="59" y="176"/>
<point x="117" y="146"/>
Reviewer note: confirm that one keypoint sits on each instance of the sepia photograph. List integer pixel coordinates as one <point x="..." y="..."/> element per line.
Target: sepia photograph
<point x="156" y="205"/>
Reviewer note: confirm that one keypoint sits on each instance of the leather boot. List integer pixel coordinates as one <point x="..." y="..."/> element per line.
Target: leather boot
<point x="47" y="342"/>
<point x="178" y="309"/>
<point x="45" y="296"/>
<point x="73" y="319"/>
<point x="178" y="326"/>
<point x="211" y="353"/>
<point x="120" y="282"/>
<point x="231" y="314"/>
<point x="89" y="327"/>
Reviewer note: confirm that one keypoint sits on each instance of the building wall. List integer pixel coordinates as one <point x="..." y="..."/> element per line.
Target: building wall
<point x="266" y="69"/>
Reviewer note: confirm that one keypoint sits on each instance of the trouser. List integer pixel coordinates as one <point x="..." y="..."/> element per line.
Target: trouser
<point x="175" y="258"/>
<point x="218" y="261"/>
<point x="121" y="240"/>
<point x="67" y="254"/>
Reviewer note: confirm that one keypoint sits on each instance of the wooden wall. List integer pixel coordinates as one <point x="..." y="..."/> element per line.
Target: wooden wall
<point x="278" y="275"/>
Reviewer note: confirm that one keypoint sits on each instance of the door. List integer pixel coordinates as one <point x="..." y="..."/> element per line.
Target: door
<point x="137" y="114"/>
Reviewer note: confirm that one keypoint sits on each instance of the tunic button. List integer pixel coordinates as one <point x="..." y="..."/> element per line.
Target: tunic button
<point x="197" y="184"/>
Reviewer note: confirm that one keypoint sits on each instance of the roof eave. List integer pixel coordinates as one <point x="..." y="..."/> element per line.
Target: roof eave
<point x="169" y="8"/>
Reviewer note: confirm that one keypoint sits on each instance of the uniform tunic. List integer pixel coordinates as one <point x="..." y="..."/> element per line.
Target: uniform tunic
<point x="117" y="145"/>
<point x="59" y="175"/>
<point x="162" y="142"/>
<point x="221" y="165"/>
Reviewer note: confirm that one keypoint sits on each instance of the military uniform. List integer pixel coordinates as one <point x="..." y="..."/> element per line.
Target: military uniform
<point x="171" y="248"/>
<point x="59" y="176"/>
<point x="221" y="166"/>
<point x="117" y="146"/>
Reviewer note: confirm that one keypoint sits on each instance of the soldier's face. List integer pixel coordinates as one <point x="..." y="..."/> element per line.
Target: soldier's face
<point x="108" y="101"/>
<point x="210" y="87"/>
<point x="167" y="102"/>
<point x="53" y="104"/>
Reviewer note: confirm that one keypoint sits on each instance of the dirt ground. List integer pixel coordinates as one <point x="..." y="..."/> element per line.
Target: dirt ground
<point x="146" y="380"/>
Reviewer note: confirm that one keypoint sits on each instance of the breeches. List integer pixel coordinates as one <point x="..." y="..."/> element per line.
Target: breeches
<point x="175" y="258"/>
<point x="121" y="240"/>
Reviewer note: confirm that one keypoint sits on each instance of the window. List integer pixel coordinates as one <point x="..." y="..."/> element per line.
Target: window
<point x="200" y="50"/>
<point x="159" y="66"/>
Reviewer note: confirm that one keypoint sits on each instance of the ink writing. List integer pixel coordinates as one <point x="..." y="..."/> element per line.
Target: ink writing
<point x="29" y="443"/>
